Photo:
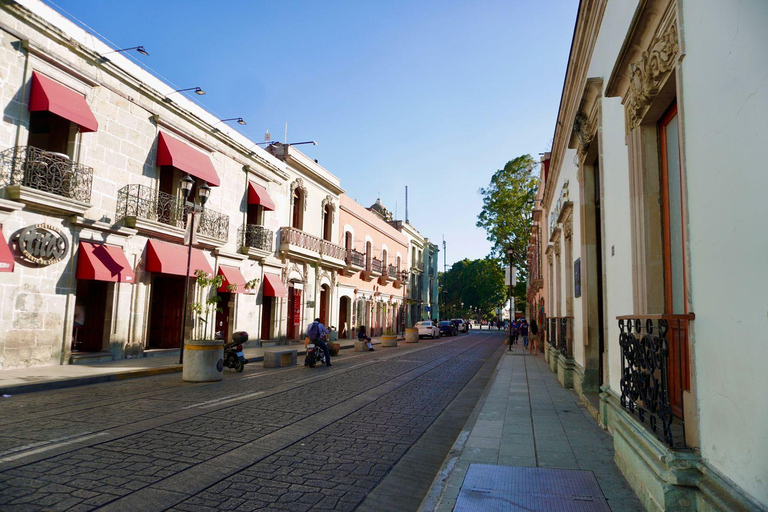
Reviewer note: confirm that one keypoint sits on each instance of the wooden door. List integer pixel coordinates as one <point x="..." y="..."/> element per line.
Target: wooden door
<point x="222" y="317"/>
<point x="166" y="310"/>
<point x="90" y="308"/>
<point x="266" y="318"/>
<point x="294" y="312"/>
<point x="324" y="306"/>
<point x="343" y="306"/>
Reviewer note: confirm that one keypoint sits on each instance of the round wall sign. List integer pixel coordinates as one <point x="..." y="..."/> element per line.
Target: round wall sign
<point x="43" y="244"/>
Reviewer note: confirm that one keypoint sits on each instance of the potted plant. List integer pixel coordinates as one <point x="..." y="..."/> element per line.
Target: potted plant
<point x="389" y="339"/>
<point x="203" y="354"/>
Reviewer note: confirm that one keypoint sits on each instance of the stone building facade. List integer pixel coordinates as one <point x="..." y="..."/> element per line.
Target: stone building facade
<point x="652" y="226"/>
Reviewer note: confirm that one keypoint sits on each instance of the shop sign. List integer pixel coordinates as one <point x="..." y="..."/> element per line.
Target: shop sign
<point x="43" y="244"/>
<point x="558" y="206"/>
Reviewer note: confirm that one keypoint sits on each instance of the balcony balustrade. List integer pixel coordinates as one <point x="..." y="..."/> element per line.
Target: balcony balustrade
<point x="376" y="266"/>
<point x="256" y="237"/>
<point x="42" y="170"/>
<point x="142" y="202"/>
<point x="654" y="372"/>
<point x="332" y="250"/>
<point x="355" y="259"/>
<point x="392" y="272"/>
<point x="299" y="239"/>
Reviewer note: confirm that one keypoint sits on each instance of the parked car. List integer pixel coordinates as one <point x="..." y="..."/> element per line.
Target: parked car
<point x="461" y="325"/>
<point x="448" y="328"/>
<point x="427" y="328"/>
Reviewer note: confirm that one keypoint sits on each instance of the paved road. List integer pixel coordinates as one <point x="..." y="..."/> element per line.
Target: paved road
<point x="286" y="439"/>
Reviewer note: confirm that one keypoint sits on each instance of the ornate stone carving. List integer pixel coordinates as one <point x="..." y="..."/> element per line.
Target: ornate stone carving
<point x="293" y="267"/>
<point x="557" y="249"/>
<point x="568" y="228"/>
<point x="550" y="259"/>
<point x="584" y="131"/>
<point x="328" y="201"/>
<point x="299" y="183"/>
<point x="648" y="74"/>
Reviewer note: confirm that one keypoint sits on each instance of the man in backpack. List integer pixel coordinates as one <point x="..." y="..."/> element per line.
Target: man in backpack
<point x="316" y="332"/>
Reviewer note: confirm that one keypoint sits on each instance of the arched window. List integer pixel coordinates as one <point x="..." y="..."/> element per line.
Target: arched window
<point x="398" y="264"/>
<point x="297" y="218"/>
<point x="368" y="255"/>
<point x="384" y="259"/>
<point x="327" y="222"/>
<point x="348" y="240"/>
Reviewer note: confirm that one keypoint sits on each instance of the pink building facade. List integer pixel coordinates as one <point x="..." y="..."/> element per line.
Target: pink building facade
<point x="371" y="288"/>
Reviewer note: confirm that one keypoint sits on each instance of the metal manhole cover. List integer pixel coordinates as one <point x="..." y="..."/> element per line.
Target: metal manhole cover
<point x="503" y="488"/>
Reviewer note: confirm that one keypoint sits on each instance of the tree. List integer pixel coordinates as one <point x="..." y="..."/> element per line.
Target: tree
<point x="507" y="210"/>
<point x="476" y="283"/>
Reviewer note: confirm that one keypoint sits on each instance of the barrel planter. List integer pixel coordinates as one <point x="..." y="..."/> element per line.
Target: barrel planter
<point x="203" y="360"/>
<point x="389" y="340"/>
<point x="333" y="348"/>
<point x="412" y="335"/>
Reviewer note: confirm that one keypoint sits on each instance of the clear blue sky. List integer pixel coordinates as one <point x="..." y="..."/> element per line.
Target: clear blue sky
<point x="433" y="94"/>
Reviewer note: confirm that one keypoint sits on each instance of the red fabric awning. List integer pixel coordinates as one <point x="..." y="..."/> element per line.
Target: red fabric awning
<point x="171" y="259"/>
<point x="6" y="256"/>
<point x="100" y="262"/>
<point x="274" y="287"/>
<point x="259" y="195"/>
<point x="231" y="275"/>
<point x="177" y="154"/>
<point x="50" y="96"/>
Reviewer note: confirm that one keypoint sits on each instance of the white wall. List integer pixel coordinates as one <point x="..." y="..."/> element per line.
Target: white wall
<point x="725" y="102"/>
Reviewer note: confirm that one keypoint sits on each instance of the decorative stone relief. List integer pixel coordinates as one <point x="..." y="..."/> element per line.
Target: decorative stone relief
<point x="568" y="228"/>
<point x="557" y="248"/>
<point x="584" y="131"/>
<point x="328" y="201"/>
<point x="299" y="183"/>
<point x="293" y="267"/>
<point x="647" y="75"/>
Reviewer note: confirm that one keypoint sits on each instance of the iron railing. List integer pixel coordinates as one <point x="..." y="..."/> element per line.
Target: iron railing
<point x="565" y="344"/>
<point x="304" y="240"/>
<point x="376" y="265"/>
<point x="49" y="172"/>
<point x="552" y="331"/>
<point x="255" y="236"/>
<point x="355" y="258"/>
<point x="392" y="272"/>
<point x="142" y="202"/>
<point x="654" y="372"/>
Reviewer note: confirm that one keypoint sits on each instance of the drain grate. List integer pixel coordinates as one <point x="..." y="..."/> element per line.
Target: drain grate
<point x="489" y="488"/>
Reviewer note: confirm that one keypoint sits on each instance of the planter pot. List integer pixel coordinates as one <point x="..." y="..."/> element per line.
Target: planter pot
<point x="411" y="335"/>
<point x="389" y="340"/>
<point x="203" y="361"/>
<point x="334" y="348"/>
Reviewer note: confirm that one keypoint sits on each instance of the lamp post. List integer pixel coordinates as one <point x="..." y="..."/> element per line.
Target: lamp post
<point x="203" y="193"/>
<point x="511" y="300"/>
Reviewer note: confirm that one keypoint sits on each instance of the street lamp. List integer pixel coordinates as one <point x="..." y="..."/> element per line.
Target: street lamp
<point x="203" y="193"/>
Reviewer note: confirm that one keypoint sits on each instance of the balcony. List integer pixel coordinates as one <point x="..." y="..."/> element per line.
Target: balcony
<point x="400" y="278"/>
<point x="388" y="274"/>
<point x="255" y="240"/>
<point x="373" y="271"/>
<point x="298" y="244"/>
<point x="48" y="181"/>
<point x="355" y="261"/>
<point x="655" y="372"/>
<point x="148" y="210"/>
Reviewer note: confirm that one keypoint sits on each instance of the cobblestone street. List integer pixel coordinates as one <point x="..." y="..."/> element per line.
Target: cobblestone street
<point x="293" y="439"/>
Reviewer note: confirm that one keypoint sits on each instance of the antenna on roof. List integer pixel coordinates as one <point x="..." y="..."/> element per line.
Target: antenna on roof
<point x="267" y="136"/>
<point x="406" y="203"/>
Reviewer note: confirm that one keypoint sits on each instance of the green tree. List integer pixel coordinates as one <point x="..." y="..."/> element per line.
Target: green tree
<point x="476" y="283"/>
<point x="507" y="210"/>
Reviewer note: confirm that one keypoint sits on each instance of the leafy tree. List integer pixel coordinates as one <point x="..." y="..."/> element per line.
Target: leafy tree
<point x="477" y="283"/>
<point x="507" y="210"/>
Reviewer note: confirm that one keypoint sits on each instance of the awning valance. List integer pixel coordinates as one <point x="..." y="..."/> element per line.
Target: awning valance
<point x="50" y="96"/>
<point x="171" y="259"/>
<point x="99" y="262"/>
<point x="173" y="152"/>
<point x="232" y="276"/>
<point x="6" y="256"/>
<point x="259" y="195"/>
<point x="274" y="287"/>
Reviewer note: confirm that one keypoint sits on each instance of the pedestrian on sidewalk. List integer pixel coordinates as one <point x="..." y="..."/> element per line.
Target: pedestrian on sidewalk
<point x="524" y="332"/>
<point x="362" y="336"/>
<point x="534" y="338"/>
<point x="515" y="327"/>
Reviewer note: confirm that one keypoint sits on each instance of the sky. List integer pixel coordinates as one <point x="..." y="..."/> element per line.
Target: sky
<point x="435" y="95"/>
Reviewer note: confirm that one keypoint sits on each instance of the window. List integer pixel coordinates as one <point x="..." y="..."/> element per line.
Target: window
<point x="52" y="133"/>
<point x="297" y="214"/>
<point x="348" y="240"/>
<point x="368" y="255"/>
<point x="327" y="222"/>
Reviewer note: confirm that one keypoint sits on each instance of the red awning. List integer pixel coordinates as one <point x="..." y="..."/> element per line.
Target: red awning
<point x="259" y="195"/>
<point x="100" y="262"/>
<point x="168" y="258"/>
<point x="6" y="256"/>
<point x="274" y="287"/>
<point x="232" y="276"/>
<point x="50" y="96"/>
<point x="177" y="154"/>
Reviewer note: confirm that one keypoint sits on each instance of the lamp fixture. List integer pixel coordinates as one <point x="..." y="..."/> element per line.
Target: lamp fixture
<point x="197" y="90"/>
<point x="204" y="192"/>
<point x="239" y="120"/>
<point x="187" y="182"/>
<point x="314" y="143"/>
<point x="139" y="49"/>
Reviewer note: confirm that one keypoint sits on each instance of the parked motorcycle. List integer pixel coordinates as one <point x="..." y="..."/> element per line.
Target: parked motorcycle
<point x="233" y="351"/>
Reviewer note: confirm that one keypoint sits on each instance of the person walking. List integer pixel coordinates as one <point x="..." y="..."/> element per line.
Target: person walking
<point x="534" y="338"/>
<point x="524" y="332"/>
<point x="317" y="333"/>
<point x="362" y="336"/>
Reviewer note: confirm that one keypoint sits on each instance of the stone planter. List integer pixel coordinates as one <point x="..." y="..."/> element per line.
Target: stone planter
<point x="389" y="340"/>
<point x="333" y="348"/>
<point x="203" y="360"/>
<point x="411" y="335"/>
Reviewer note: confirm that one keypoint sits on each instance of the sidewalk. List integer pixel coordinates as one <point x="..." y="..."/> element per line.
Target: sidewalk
<point x="527" y="419"/>
<point x="39" y="378"/>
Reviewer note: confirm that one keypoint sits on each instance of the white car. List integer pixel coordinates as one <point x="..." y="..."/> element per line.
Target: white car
<point x="427" y="328"/>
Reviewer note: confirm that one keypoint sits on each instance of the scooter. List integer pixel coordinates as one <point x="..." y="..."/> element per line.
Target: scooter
<point x="233" y="351"/>
<point x="315" y="355"/>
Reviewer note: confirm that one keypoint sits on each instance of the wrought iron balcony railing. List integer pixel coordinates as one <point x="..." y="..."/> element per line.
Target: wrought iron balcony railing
<point x="376" y="265"/>
<point x="654" y="372"/>
<point x="256" y="237"/>
<point x="46" y="171"/>
<point x="142" y="202"/>
<point x="392" y="272"/>
<point x="355" y="258"/>
<point x="565" y="343"/>
<point x="304" y="240"/>
<point x="552" y="331"/>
